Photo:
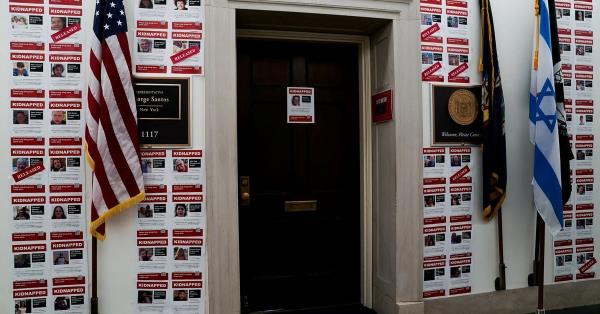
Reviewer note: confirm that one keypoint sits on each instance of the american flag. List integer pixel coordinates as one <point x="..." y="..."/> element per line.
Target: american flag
<point x="111" y="123"/>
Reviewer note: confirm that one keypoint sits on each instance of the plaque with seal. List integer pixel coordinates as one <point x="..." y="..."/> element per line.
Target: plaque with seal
<point x="456" y="115"/>
<point x="163" y="111"/>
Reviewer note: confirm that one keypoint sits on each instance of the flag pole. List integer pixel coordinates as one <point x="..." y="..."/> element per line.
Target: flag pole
<point x="532" y="278"/>
<point x="541" y="228"/>
<point x="500" y="282"/>
<point x="94" y="299"/>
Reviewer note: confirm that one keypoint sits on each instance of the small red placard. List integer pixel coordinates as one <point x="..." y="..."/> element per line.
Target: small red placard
<point x="381" y="106"/>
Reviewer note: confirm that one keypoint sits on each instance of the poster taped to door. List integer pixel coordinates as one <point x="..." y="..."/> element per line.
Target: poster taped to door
<point x="300" y="105"/>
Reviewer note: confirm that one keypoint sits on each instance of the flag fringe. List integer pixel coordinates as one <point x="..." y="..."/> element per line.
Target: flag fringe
<point x="489" y="213"/>
<point x="89" y="158"/>
<point x="113" y="211"/>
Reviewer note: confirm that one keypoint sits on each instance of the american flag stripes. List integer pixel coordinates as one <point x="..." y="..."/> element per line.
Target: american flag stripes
<point x="111" y="123"/>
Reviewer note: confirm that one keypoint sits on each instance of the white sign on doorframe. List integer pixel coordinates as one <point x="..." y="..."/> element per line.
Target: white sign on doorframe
<point x="300" y="105"/>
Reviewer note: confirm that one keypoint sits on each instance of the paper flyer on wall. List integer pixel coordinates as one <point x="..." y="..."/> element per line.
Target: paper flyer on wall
<point x="460" y="276"/>
<point x="152" y="290"/>
<point x="66" y="120"/>
<point x="435" y="278"/>
<point x="434" y="203"/>
<point x="30" y="255"/>
<point x="150" y="53"/>
<point x="187" y="292"/>
<point x="153" y="250"/>
<point x="29" y="213"/>
<point x="27" y="122"/>
<point x="187" y="53"/>
<point x="186" y="167"/>
<point x="188" y="249"/>
<point x="28" y="165"/>
<point x="69" y="295"/>
<point x="31" y="296"/>
<point x="28" y="69"/>
<point x="28" y="23"/>
<point x="152" y="212"/>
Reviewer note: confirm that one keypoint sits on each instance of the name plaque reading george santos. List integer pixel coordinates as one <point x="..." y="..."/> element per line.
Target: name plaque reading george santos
<point x="163" y="111"/>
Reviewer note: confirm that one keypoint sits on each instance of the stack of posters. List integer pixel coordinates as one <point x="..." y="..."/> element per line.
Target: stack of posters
<point x="169" y="37"/>
<point x="448" y="215"/>
<point x="171" y="223"/>
<point x="574" y="253"/>
<point x="46" y="126"/>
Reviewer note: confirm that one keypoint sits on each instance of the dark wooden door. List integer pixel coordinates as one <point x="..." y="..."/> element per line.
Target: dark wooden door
<point x="301" y="259"/>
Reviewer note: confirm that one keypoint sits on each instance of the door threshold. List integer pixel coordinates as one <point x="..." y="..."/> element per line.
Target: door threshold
<point x="332" y="309"/>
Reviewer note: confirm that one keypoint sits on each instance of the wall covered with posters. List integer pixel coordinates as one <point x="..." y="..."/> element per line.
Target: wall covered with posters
<point x="155" y="44"/>
<point x="460" y="248"/>
<point x="154" y="257"/>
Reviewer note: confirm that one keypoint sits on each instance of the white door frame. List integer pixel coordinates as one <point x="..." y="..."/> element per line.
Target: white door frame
<point x="366" y="153"/>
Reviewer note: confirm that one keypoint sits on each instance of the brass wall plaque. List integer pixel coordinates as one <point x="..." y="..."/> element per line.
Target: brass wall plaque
<point x="300" y="206"/>
<point x="463" y="107"/>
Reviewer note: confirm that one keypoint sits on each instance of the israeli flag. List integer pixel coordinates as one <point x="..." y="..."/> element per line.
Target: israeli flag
<point x="547" y="190"/>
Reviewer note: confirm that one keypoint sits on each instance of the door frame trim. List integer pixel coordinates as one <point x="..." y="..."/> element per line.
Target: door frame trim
<point x="365" y="137"/>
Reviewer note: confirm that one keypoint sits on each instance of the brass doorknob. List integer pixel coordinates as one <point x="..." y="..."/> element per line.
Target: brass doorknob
<point x="245" y="196"/>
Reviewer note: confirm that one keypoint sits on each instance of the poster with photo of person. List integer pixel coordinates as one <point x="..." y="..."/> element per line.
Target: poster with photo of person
<point x="151" y="14"/>
<point x="28" y="213"/>
<point x="28" y="69"/>
<point x="151" y="292"/>
<point x="27" y="23"/>
<point x="27" y="122"/>
<point x="150" y="52"/>
<point x="153" y="250"/>
<point x="31" y="296"/>
<point x="152" y="212"/>
<point x="68" y="253"/>
<point x="65" y="25"/>
<point x="69" y="295"/>
<point x="65" y="118"/>
<point x="30" y="255"/>
<point x="435" y="278"/>
<point x="65" y="72"/>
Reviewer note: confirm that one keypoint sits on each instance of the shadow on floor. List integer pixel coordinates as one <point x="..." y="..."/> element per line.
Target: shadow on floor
<point x="593" y="309"/>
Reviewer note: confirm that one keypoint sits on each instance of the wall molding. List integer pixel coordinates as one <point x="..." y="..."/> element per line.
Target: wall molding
<point x="523" y="300"/>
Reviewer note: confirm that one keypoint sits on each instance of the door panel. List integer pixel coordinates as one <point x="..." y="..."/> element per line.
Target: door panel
<point x="293" y="260"/>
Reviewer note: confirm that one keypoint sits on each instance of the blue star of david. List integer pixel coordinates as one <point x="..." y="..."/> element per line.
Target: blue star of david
<point x="549" y="120"/>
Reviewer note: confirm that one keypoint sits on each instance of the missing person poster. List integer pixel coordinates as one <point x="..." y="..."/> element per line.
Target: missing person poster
<point x="187" y="292"/>
<point x="300" y="105"/>
<point x="31" y="296"/>
<point x="152" y="290"/>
